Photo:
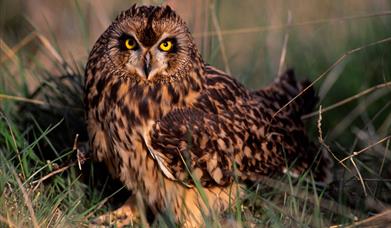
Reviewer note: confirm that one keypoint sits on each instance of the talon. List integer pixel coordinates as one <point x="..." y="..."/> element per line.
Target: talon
<point x="120" y="217"/>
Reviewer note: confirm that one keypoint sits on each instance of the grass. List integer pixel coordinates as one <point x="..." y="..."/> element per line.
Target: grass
<point x="343" y="48"/>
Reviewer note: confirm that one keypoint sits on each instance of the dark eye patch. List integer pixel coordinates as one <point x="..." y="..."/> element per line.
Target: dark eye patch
<point x="122" y="42"/>
<point x="174" y="41"/>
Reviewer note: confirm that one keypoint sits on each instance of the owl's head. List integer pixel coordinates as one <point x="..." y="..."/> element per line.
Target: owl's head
<point x="148" y="43"/>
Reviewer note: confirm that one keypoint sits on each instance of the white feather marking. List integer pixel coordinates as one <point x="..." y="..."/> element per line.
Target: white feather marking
<point x="158" y="159"/>
<point x="290" y="173"/>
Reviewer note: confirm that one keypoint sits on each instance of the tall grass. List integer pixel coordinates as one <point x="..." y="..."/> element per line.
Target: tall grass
<point x="343" y="46"/>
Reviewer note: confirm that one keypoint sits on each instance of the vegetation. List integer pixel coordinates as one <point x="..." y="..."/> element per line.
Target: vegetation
<point x="344" y="47"/>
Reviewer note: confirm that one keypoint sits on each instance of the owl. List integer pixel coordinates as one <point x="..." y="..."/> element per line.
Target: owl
<point x="183" y="136"/>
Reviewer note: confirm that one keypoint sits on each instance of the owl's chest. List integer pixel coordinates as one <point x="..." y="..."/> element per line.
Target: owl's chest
<point x="124" y="114"/>
<point x="124" y="125"/>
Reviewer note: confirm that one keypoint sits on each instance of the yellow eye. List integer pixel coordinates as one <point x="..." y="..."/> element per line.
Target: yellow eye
<point x="130" y="44"/>
<point x="165" y="46"/>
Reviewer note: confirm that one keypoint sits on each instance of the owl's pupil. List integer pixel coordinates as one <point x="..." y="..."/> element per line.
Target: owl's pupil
<point x="165" y="44"/>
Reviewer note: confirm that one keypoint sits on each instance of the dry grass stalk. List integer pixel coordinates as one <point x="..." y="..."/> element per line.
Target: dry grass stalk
<point x="4" y="47"/>
<point x="101" y="203"/>
<point x="365" y="149"/>
<point x="80" y="160"/>
<point x="11" y="53"/>
<point x="284" y="46"/>
<point x="27" y="201"/>
<point x="324" y="203"/>
<point x="345" y="122"/>
<point x="7" y="221"/>
<point x="57" y="171"/>
<point x="343" y="57"/>
<point x="359" y="177"/>
<point x="349" y="99"/>
<point x="380" y="220"/>
<point x="284" y="26"/>
<point x="220" y="38"/>
<point x="35" y="101"/>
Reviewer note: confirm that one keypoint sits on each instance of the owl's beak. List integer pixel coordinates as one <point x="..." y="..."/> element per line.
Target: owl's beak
<point x="147" y="64"/>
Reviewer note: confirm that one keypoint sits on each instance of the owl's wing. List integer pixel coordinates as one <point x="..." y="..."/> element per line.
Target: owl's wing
<point x="191" y="141"/>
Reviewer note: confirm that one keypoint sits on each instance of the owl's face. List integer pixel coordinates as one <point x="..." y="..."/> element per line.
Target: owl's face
<point x="149" y="43"/>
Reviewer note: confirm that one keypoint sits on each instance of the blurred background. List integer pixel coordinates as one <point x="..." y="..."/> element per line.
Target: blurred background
<point x="253" y="40"/>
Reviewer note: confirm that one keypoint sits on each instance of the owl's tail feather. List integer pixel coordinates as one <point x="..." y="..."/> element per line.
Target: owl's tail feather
<point x="301" y="99"/>
<point x="315" y="163"/>
<point x="284" y="90"/>
<point x="307" y="99"/>
<point x="313" y="157"/>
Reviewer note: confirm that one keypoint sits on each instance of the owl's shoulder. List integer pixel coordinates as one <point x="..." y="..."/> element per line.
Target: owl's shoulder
<point x="218" y="79"/>
<point x="221" y="93"/>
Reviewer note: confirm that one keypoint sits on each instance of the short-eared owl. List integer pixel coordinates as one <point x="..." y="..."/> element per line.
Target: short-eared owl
<point x="162" y="120"/>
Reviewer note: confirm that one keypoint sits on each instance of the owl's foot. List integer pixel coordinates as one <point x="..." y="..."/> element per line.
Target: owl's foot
<point x="127" y="214"/>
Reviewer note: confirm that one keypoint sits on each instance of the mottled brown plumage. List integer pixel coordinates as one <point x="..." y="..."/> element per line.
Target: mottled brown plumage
<point x="154" y="115"/>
